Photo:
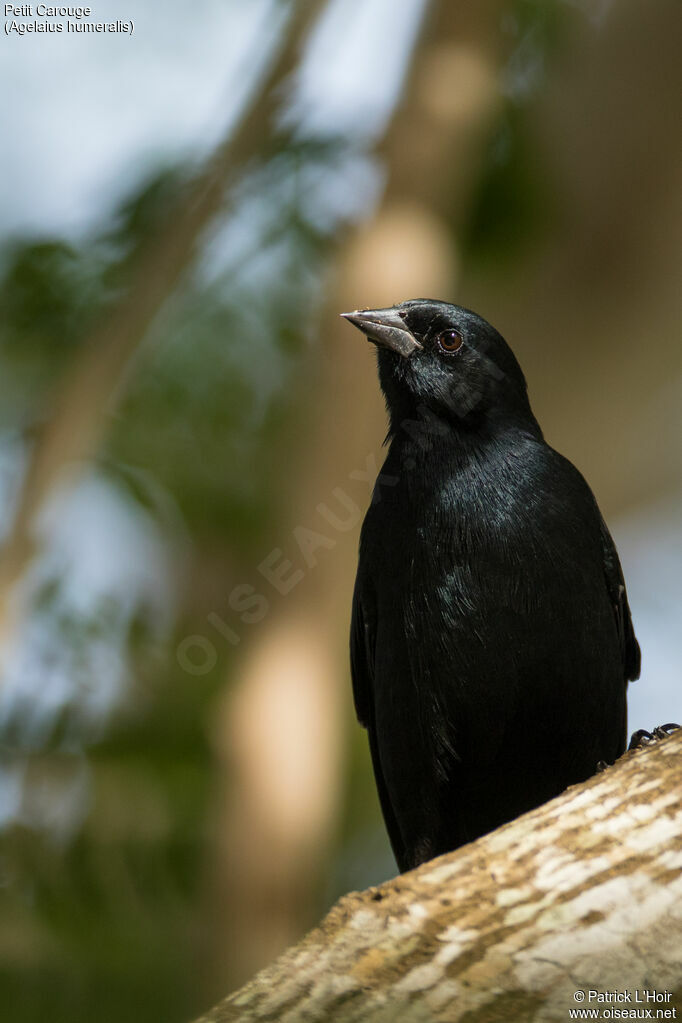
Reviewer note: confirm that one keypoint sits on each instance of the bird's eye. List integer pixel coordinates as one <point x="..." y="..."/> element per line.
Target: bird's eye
<point x="450" y="341"/>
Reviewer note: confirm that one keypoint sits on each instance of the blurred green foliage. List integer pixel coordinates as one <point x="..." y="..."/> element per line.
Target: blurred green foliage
<point x="102" y="921"/>
<point x="511" y="207"/>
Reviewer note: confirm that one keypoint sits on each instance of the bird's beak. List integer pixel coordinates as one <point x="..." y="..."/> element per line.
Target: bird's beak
<point x="385" y="327"/>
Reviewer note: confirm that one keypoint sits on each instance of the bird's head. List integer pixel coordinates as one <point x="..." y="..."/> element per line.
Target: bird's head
<point x="446" y="359"/>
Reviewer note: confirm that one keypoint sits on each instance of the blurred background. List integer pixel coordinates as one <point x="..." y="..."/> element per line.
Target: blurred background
<point x="188" y="433"/>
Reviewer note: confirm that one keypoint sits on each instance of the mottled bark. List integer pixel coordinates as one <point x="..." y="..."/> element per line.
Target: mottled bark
<point x="582" y="893"/>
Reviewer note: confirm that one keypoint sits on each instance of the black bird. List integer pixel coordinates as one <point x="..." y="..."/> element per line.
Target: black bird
<point x="491" y="638"/>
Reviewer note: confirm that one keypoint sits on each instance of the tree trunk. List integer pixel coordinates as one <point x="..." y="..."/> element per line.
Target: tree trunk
<point x="579" y="897"/>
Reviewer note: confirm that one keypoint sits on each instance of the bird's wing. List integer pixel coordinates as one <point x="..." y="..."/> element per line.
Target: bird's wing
<point x="616" y="586"/>
<point x="361" y="658"/>
<point x="362" y="646"/>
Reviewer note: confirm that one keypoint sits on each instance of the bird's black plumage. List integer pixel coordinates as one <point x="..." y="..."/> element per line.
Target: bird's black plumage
<point x="491" y="638"/>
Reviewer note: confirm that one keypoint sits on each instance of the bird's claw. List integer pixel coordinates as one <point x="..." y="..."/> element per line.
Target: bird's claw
<point x="641" y="738"/>
<point x="663" y="731"/>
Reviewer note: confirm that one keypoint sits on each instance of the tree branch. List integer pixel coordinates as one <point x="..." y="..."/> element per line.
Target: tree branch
<point x="583" y="893"/>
